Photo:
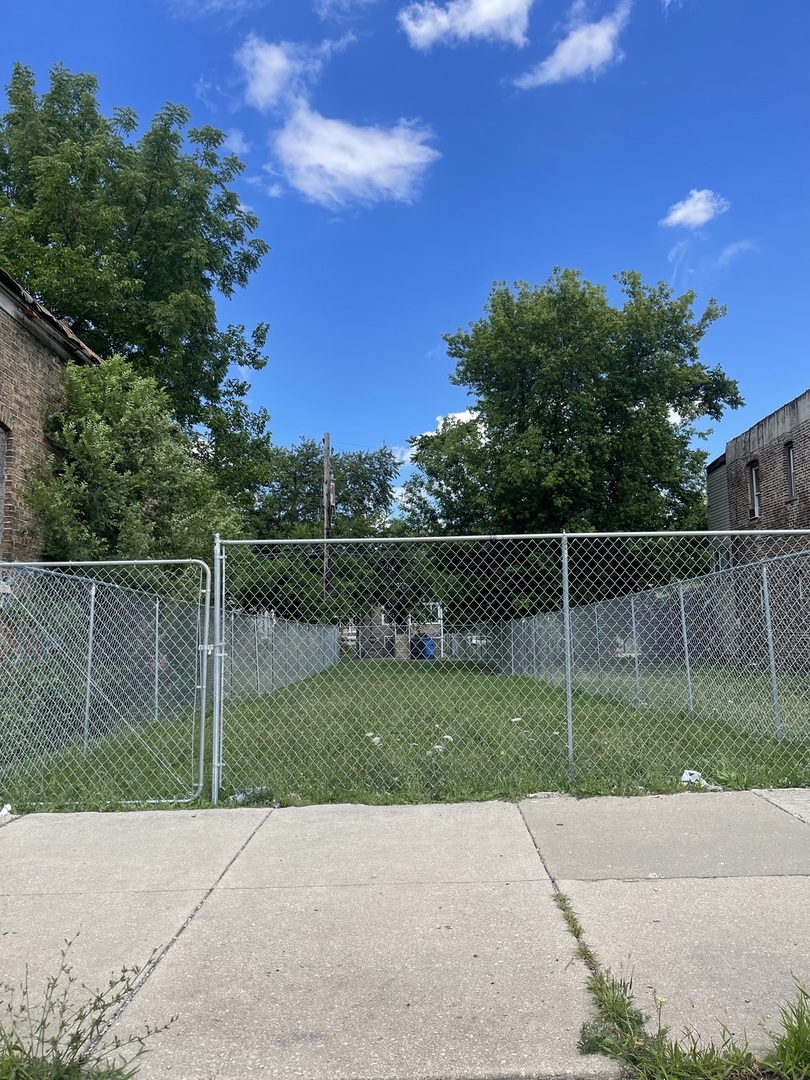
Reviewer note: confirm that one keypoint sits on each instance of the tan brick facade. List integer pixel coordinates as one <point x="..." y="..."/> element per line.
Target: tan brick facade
<point x="34" y="348"/>
<point x="772" y="451"/>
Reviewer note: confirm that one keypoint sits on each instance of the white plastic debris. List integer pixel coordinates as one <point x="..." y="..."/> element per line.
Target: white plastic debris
<point x="516" y="720"/>
<point x="376" y="740"/>
<point x="6" y="814"/>
<point x="692" y="776"/>
<point x="249" y="793"/>
<point x="448" y="737"/>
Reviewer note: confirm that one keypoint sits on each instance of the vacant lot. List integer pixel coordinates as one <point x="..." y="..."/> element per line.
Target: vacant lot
<point x="396" y="731"/>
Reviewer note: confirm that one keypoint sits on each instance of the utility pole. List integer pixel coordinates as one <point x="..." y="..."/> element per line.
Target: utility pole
<point x="328" y="510"/>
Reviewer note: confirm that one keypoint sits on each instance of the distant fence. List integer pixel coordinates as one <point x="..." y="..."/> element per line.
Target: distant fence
<point x="103" y="681"/>
<point x="266" y="653"/>
<point x="666" y="648"/>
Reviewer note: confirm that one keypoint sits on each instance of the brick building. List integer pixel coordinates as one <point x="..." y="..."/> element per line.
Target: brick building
<point x="762" y="481"/>
<point x="34" y="348"/>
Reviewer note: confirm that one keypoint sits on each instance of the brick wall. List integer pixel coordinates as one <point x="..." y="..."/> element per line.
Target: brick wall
<point x="765" y="443"/>
<point x="30" y="377"/>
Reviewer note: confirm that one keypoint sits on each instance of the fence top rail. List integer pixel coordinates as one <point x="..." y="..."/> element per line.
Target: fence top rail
<point x="107" y="562"/>
<point x="62" y="569"/>
<point x="484" y="538"/>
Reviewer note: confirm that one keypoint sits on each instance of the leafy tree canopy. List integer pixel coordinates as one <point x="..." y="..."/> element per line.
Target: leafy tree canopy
<point x="291" y="507"/>
<point x="584" y="414"/>
<point x="124" y="482"/>
<point x="129" y="238"/>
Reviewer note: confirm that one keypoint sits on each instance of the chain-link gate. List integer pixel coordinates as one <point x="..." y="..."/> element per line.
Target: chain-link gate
<point x="444" y="668"/>
<point x="103" y="675"/>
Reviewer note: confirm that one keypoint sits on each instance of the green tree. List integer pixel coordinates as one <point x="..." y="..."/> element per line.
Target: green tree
<point x="130" y="239"/>
<point x="585" y="414"/>
<point x="124" y="482"/>
<point x="291" y="507"/>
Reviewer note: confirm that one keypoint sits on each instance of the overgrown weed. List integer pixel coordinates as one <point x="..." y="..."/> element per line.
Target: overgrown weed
<point x="64" y="1034"/>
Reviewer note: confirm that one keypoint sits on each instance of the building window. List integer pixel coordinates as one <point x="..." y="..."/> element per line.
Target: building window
<point x="754" y="490"/>
<point x="790" y="471"/>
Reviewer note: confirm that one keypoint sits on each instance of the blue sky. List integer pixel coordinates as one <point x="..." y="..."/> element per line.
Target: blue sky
<point x="402" y="156"/>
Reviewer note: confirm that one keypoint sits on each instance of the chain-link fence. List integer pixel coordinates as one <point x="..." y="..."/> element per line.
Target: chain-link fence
<point x="103" y="673"/>
<point x="467" y="667"/>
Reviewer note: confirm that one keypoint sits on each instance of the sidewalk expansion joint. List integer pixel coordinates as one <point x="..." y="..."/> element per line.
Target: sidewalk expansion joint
<point x="540" y="856"/>
<point x="153" y="966"/>
<point x="397" y="884"/>
<point x="760" y="794"/>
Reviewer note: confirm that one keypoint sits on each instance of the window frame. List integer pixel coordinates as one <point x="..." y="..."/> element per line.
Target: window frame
<point x="790" y="471"/>
<point x="754" y="490"/>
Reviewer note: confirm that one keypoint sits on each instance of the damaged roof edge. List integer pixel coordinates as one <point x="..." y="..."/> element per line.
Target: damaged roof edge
<point x="47" y="322"/>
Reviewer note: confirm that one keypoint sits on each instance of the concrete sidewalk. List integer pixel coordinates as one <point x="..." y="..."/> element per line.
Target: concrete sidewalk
<point x="409" y="942"/>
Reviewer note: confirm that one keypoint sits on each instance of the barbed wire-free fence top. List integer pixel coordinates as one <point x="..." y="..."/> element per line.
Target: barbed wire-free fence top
<point x="469" y="667"/>
<point x="394" y="670"/>
<point x="103" y="673"/>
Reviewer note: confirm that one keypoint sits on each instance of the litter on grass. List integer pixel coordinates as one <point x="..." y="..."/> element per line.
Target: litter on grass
<point x="692" y="777"/>
<point x="251" y="793"/>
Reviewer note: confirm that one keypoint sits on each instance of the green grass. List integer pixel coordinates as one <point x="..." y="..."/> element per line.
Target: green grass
<point x="620" y="1030"/>
<point x="157" y="762"/>
<point x="382" y="731"/>
<point x="313" y="741"/>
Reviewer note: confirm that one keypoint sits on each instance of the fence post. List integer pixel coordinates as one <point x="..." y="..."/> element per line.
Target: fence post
<point x="88" y="682"/>
<point x="598" y="648"/>
<point x="204" y="650"/>
<point x="686" y="650"/>
<point x="569" y="697"/>
<point x="635" y="651"/>
<point x="766" y="604"/>
<point x="157" y="658"/>
<point x="231" y="651"/>
<point x="256" y="650"/>
<point x="219" y="664"/>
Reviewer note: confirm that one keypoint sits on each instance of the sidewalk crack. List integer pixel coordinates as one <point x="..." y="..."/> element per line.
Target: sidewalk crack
<point x="152" y="966"/>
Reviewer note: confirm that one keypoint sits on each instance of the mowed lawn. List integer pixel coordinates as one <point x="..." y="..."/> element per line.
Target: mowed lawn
<point x="411" y="731"/>
<point x="389" y="730"/>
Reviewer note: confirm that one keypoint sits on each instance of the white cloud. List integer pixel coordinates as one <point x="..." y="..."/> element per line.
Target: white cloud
<point x="698" y="208"/>
<point x="403" y="455"/>
<point x="587" y="50"/>
<point x="273" y="72"/>
<point x="456" y="417"/>
<point x="236" y="143"/>
<point x="275" y="191"/>
<point x="732" y="251"/>
<point x="426" y="22"/>
<point x="335" y="163"/>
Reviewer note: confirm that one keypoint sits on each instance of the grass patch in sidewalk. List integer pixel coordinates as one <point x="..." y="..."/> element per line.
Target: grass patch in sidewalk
<point x="620" y="1030"/>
